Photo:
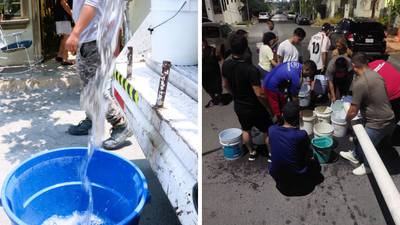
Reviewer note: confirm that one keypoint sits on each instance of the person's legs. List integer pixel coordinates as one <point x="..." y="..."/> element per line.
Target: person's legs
<point x="376" y="137"/>
<point x="61" y="48"/>
<point x="88" y="60"/>
<point x="274" y="100"/>
<point x="246" y="122"/>
<point x="120" y="129"/>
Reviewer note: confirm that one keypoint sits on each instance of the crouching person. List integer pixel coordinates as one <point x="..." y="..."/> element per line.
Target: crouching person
<point x="294" y="170"/>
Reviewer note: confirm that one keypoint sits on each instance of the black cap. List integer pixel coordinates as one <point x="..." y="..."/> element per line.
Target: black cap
<point x="326" y="27"/>
<point x="291" y="113"/>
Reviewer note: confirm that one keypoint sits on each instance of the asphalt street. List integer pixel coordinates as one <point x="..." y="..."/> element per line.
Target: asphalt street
<point x="242" y="192"/>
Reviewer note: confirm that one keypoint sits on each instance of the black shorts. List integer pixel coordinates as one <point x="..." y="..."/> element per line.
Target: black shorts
<point x="261" y="120"/>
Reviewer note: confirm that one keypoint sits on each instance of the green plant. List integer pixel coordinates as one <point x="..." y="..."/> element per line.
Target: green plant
<point x="258" y="6"/>
<point x="331" y="20"/>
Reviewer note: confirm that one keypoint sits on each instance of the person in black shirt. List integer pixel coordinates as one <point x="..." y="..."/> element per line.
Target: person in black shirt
<point x="212" y="81"/>
<point x="242" y="80"/>
<point x="63" y="18"/>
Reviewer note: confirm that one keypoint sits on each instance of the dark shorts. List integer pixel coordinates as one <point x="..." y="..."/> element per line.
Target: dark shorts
<point x="396" y="108"/>
<point x="261" y="120"/>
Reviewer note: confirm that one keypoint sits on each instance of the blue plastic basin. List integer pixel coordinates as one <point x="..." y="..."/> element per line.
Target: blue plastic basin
<point x="49" y="184"/>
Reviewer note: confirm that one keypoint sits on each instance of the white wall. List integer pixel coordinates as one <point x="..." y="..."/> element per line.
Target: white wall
<point x="232" y="14"/>
<point x="363" y="8"/>
<point x="19" y="57"/>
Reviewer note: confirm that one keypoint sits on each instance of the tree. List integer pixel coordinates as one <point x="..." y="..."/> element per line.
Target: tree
<point x="256" y="6"/>
<point x="394" y="10"/>
<point x="373" y="6"/>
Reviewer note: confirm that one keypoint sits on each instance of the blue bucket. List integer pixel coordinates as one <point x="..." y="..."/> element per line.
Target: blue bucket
<point x="231" y="141"/>
<point x="49" y="184"/>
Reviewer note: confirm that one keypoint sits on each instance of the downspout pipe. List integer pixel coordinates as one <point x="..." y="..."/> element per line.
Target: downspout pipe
<point x="386" y="185"/>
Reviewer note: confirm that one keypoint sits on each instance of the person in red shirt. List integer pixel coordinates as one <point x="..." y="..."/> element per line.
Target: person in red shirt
<point x="392" y="82"/>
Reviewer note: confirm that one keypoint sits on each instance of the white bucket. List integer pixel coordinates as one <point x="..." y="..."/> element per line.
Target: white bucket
<point x="230" y="136"/>
<point x="323" y="82"/>
<point x="305" y="96"/>
<point x="323" y="114"/>
<point x="307" y="121"/>
<point x="339" y="128"/>
<point x="231" y="141"/>
<point x="323" y="129"/>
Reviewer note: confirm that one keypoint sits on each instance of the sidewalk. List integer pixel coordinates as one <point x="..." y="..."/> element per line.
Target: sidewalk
<point x="47" y="75"/>
<point x="36" y="110"/>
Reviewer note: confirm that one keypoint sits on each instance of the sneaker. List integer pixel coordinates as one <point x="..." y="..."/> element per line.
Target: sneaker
<point x="361" y="170"/>
<point x="349" y="156"/>
<point x="119" y="134"/>
<point x="252" y="156"/>
<point x="82" y="128"/>
<point x="209" y="104"/>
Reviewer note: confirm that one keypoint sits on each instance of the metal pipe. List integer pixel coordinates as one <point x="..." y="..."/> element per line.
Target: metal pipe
<point x="130" y="62"/>
<point x="382" y="177"/>
<point x="162" y="88"/>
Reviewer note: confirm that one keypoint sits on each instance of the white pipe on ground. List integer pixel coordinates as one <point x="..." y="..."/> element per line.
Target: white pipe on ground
<point x="382" y="177"/>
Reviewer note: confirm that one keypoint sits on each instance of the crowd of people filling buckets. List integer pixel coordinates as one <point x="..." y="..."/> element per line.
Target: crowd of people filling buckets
<point x="298" y="104"/>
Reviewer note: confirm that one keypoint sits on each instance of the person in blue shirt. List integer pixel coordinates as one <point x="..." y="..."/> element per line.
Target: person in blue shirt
<point x="284" y="80"/>
<point x="292" y="166"/>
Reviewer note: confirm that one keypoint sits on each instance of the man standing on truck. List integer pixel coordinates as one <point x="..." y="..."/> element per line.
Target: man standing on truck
<point x="82" y="40"/>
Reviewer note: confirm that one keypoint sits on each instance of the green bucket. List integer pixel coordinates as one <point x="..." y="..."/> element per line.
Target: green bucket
<point x="322" y="148"/>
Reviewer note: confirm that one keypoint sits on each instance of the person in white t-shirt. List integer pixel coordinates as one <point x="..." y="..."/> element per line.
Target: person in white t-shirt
<point x="287" y="50"/>
<point x="266" y="57"/>
<point x="319" y="46"/>
<point x="271" y="28"/>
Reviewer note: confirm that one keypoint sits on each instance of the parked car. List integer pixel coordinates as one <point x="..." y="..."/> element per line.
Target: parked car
<point x="291" y="15"/>
<point x="302" y="20"/>
<point x="263" y="16"/>
<point x="279" y="18"/>
<point x="217" y="35"/>
<point x="362" y="35"/>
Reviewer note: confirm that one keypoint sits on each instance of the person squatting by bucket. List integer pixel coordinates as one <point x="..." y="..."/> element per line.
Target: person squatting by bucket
<point x="292" y="166"/>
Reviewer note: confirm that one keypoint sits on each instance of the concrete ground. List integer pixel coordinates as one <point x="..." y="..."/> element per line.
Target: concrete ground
<point x="242" y="192"/>
<point x="34" y="120"/>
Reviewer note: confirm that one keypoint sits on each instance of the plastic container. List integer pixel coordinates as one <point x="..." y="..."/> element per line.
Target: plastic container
<point x="175" y="40"/>
<point x="49" y="184"/>
<point x="323" y="129"/>
<point x="339" y="128"/>
<point x="320" y="84"/>
<point x="231" y="141"/>
<point x="305" y="95"/>
<point x="322" y="148"/>
<point x="323" y="114"/>
<point x="307" y="121"/>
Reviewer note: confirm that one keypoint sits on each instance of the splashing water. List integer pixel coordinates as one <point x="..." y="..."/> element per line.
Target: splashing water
<point x="95" y="98"/>
<point x="75" y="219"/>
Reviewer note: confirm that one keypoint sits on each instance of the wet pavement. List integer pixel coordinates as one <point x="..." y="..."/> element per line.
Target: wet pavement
<point x="242" y="192"/>
<point x="36" y="120"/>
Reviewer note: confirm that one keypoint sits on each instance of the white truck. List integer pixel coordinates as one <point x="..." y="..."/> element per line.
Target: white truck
<point x="167" y="131"/>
